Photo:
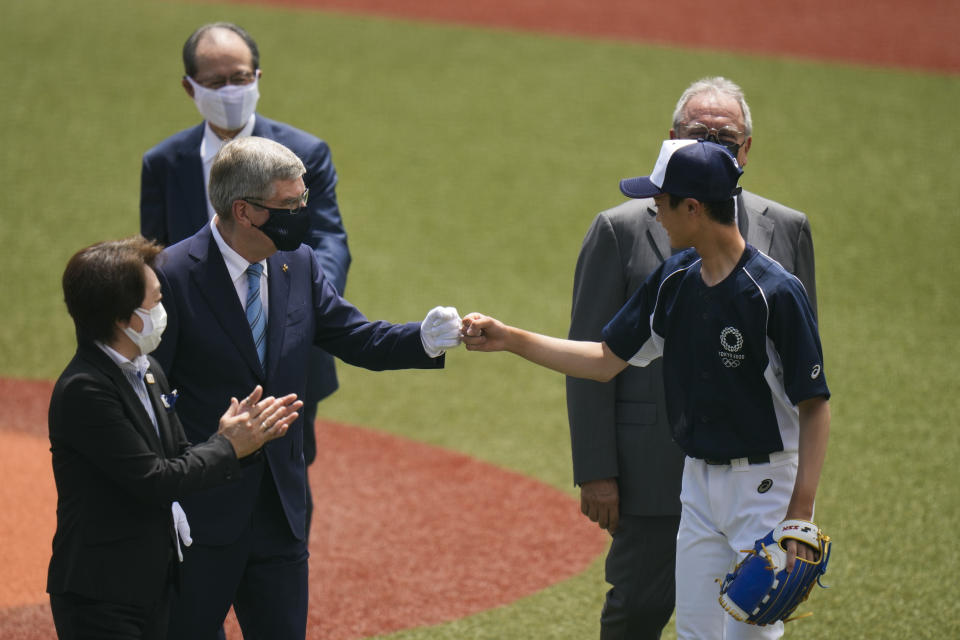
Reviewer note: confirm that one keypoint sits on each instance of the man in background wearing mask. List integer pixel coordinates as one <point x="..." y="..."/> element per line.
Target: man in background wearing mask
<point x="222" y="75"/>
<point x="245" y="301"/>
<point x="624" y="460"/>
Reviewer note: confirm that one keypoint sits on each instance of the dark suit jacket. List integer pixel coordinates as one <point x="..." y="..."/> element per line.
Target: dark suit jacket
<point x="173" y="206"/>
<point x="209" y="355"/>
<point x="619" y="429"/>
<point x="116" y="479"/>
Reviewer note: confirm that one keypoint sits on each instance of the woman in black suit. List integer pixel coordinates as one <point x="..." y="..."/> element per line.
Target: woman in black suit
<point x="120" y="456"/>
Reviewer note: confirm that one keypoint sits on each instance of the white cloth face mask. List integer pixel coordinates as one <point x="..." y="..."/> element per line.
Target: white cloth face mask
<point x="154" y="322"/>
<point x="228" y="107"/>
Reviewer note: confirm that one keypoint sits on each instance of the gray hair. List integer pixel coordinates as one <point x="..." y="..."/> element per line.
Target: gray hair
<point x="719" y="86"/>
<point x="248" y="168"/>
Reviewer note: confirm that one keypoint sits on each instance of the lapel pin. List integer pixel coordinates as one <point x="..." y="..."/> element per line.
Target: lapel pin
<point x="149" y="378"/>
<point x="284" y="267"/>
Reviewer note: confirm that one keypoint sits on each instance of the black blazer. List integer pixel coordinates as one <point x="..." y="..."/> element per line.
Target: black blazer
<point x="116" y="480"/>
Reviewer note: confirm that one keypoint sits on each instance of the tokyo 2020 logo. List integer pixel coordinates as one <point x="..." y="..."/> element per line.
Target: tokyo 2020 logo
<point x="732" y="342"/>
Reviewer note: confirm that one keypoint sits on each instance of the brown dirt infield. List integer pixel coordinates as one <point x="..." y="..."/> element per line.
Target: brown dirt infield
<point x="405" y="534"/>
<point x="892" y="33"/>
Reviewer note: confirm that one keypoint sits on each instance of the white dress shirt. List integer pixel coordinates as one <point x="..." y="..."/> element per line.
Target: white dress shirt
<point x="237" y="267"/>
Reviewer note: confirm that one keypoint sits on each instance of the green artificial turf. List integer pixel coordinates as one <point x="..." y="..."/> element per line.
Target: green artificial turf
<point x="471" y="162"/>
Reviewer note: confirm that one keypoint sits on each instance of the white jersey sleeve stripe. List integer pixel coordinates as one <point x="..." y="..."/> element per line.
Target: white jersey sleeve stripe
<point x="649" y="351"/>
<point x="787" y="413"/>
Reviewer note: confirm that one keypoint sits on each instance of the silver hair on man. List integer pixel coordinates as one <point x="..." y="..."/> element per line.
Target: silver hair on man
<point x="247" y="168"/>
<point x="717" y="85"/>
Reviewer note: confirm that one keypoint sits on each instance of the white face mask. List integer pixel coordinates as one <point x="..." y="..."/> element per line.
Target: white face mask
<point x="154" y="322"/>
<point x="228" y="107"/>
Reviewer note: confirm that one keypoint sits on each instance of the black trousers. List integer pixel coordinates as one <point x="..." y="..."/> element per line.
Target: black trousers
<point x="79" y="618"/>
<point x="640" y="570"/>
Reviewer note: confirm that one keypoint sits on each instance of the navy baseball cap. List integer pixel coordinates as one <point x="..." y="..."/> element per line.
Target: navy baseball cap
<point x="696" y="169"/>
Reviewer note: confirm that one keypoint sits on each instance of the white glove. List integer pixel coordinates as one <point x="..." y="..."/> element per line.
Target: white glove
<point x="440" y="330"/>
<point x="183" y="528"/>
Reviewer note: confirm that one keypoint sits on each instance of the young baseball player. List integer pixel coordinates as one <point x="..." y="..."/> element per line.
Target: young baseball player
<point x="743" y="372"/>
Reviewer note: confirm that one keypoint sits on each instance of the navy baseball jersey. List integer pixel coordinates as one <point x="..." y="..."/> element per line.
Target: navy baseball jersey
<point x="738" y="357"/>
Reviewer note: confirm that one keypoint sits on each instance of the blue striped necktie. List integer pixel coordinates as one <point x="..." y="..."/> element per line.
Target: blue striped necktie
<point x="255" y="316"/>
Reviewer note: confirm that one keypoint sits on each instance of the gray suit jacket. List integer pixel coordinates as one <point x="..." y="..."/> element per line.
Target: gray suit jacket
<point x="619" y="429"/>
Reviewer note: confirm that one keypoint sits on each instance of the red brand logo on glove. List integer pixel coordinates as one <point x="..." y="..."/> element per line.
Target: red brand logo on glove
<point x="796" y="526"/>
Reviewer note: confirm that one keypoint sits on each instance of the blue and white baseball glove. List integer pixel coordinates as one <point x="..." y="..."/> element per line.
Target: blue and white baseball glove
<point x="759" y="590"/>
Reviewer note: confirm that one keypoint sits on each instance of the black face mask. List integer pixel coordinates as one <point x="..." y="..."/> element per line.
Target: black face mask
<point x="732" y="147"/>
<point x="287" y="230"/>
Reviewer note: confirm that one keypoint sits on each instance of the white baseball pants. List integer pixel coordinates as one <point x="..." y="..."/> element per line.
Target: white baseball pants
<point x="725" y="508"/>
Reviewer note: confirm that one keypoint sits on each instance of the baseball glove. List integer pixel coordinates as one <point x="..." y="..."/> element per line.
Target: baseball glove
<point x="759" y="590"/>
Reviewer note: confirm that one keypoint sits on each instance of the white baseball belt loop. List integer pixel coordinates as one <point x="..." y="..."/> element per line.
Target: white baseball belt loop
<point x="776" y="456"/>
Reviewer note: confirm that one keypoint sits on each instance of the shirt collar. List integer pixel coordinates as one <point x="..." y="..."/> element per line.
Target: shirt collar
<point x="138" y="365"/>
<point x="236" y="264"/>
<point x="212" y="143"/>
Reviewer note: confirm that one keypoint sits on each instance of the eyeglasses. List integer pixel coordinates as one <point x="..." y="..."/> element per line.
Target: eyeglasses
<point x="727" y="136"/>
<point x="239" y="78"/>
<point x="302" y="203"/>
